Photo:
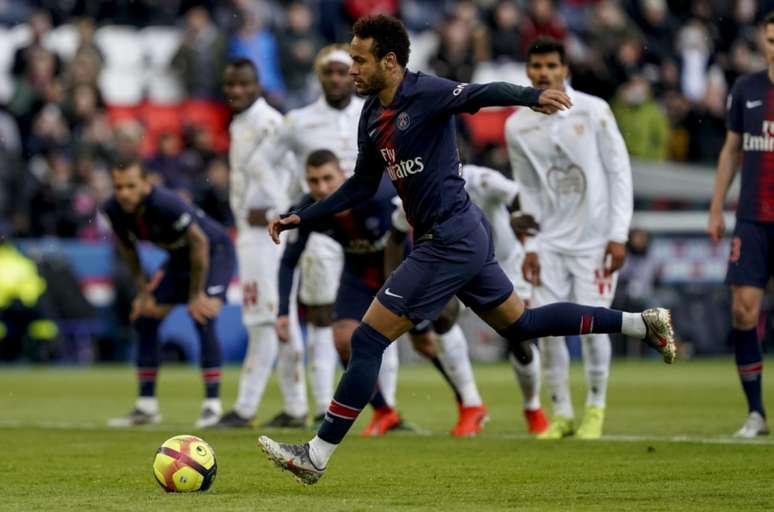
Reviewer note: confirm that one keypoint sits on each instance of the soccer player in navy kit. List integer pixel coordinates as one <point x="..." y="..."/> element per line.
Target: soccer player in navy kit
<point x="362" y="232"/>
<point x="749" y="142"/>
<point x="197" y="272"/>
<point x="407" y="130"/>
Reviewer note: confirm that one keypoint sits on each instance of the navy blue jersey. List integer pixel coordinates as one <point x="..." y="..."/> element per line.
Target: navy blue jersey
<point x="751" y="114"/>
<point x="412" y="140"/>
<point x="361" y="231"/>
<point x="163" y="219"/>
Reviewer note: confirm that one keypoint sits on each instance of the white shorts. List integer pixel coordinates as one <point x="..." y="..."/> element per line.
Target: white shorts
<point x="512" y="269"/>
<point x="321" y="265"/>
<point x="258" y="259"/>
<point x="576" y="277"/>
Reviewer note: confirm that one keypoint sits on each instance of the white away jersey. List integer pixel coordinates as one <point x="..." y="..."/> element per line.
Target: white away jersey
<point x="574" y="172"/>
<point x="254" y="183"/>
<point x="317" y="126"/>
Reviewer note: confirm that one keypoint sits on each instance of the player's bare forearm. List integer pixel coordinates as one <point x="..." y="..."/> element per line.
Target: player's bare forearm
<point x="728" y="164"/>
<point x="200" y="259"/>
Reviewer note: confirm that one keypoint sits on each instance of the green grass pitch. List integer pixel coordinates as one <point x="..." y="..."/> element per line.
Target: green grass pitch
<point x="666" y="448"/>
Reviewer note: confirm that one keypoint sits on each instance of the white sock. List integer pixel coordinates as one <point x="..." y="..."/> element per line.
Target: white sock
<point x="388" y="374"/>
<point x="456" y="361"/>
<point x="147" y="404"/>
<point x="528" y="377"/>
<point x="214" y="404"/>
<point x="633" y="325"/>
<point x="320" y="452"/>
<point x="256" y="368"/>
<point x="556" y="369"/>
<point x="290" y="371"/>
<point x="323" y="359"/>
<point x="596" y="360"/>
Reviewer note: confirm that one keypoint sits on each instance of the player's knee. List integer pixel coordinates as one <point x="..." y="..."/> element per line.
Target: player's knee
<point x="425" y="344"/>
<point x="744" y="315"/>
<point x="320" y="316"/>
<point x="448" y="317"/>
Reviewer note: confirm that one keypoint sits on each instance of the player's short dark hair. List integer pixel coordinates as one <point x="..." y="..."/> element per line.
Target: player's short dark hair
<point x="543" y="45"/>
<point x="243" y="62"/>
<point x="124" y="164"/>
<point x="389" y="35"/>
<point x="769" y="19"/>
<point x="321" y="157"/>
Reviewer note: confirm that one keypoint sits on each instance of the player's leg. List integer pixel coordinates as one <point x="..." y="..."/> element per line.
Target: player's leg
<point x="258" y="316"/>
<point x="555" y="285"/>
<point x="750" y="264"/>
<point x="353" y="300"/>
<point x="146" y="409"/>
<point x="321" y="265"/>
<point x="322" y="355"/>
<point x="593" y="286"/>
<point x="527" y="375"/>
<point x="221" y="270"/>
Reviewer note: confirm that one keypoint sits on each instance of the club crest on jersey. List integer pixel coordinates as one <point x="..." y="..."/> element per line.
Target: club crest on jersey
<point x="579" y="129"/>
<point x="404" y="121"/>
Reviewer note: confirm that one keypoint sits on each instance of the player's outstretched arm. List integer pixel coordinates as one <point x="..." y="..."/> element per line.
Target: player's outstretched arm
<point x="357" y="189"/>
<point x="728" y="164"/>
<point x="472" y="97"/>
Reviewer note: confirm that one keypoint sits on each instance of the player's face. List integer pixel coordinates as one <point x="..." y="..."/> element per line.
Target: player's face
<point x="240" y="88"/>
<point x="546" y="71"/>
<point x="130" y="188"/>
<point x="367" y="71"/>
<point x="337" y="84"/>
<point x="768" y="43"/>
<point x="324" y="180"/>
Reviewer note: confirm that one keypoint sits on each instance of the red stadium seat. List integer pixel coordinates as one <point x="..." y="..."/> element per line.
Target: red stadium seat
<point x="488" y="126"/>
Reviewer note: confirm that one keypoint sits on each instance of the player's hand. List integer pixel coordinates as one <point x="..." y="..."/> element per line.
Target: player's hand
<point x="552" y="100"/>
<point x="615" y="255"/>
<point x="278" y="225"/>
<point x="530" y="269"/>
<point x="203" y="308"/>
<point x="524" y="225"/>
<point x="282" y="326"/>
<point x="142" y="305"/>
<point x="716" y="227"/>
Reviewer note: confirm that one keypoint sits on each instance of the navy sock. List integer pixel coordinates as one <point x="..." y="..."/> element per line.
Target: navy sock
<point x="377" y="400"/>
<point x="749" y="364"/>
<point x="148" y="355"/>
<point x="438" y="366"/>
<point x="562" y="319"/>
<point x="211" y="358"/>
<point x="357" y="385"/>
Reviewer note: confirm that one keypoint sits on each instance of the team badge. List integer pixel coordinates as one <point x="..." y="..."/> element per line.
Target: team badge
<point x="404" y="121"/>
<point x="579" y="129"/>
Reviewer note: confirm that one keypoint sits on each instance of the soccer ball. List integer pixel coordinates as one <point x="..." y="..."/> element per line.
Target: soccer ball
<point x="185" y="464"/>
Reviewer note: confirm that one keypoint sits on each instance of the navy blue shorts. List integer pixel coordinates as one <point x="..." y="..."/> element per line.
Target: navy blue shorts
<point x="353" y="298"/>
<point x="175" y="284"/>
<point x="751" y="260"/>
<point x="434" y="272"/>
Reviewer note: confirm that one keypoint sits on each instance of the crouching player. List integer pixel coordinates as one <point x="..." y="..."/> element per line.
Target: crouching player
<point x="197" y="272"/>
<point x="362" y="232"/>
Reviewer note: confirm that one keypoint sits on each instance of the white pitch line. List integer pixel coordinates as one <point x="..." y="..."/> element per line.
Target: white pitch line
<point x="614" y="438"/>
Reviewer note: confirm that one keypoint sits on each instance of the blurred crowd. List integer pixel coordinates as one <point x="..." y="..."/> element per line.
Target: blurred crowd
<point x="665" y="66"/>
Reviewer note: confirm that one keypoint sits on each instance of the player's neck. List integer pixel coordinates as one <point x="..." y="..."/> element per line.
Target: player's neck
<point x="771" y="74"/>
<point x="387" y="94"/>
<point x="339" y="104"/>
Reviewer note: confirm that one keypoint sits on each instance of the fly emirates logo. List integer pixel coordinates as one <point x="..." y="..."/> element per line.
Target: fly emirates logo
<point x="763" y="142"/>
<point x="399" y="170"/>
